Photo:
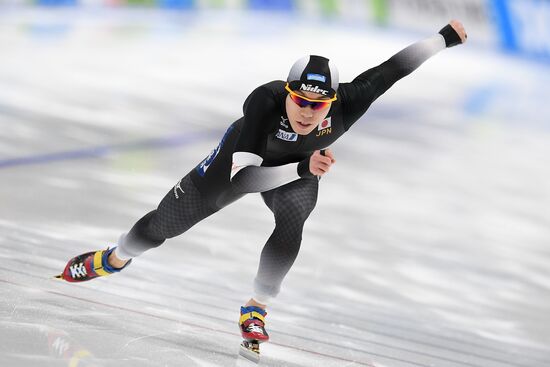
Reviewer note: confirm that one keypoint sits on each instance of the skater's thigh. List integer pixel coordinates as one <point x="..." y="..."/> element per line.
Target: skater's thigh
<point x="297" y="198"/>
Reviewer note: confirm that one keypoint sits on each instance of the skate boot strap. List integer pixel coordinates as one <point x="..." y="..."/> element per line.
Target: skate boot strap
<point x="101" y="258"/>
<point x="89" y="266"/>
<point x="256" y="322"/>
<point x="251" y="313"/>
<point x="98" y="264"/>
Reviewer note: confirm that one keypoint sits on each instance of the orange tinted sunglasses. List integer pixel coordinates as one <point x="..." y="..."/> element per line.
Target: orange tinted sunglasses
<point x="302" y="101"/>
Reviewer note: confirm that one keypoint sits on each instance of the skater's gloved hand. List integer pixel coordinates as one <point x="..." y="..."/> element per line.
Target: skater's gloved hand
<point x="454" y="33"/>
<point x="319" y="164"/>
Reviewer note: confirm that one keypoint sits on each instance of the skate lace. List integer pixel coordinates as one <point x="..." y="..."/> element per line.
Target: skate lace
<point x="253" y="328"/>
<point x="78" y="270"/>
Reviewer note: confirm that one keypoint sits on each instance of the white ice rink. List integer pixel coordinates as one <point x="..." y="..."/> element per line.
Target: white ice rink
<point x="429" y="245"/>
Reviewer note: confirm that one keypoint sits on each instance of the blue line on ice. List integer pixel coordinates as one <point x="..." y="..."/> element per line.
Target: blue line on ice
<point x="104" y="150"/>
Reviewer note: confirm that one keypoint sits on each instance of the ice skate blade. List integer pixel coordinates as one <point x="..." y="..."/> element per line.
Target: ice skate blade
<point x="250" y="351"/>
<point x="58" y="277"/>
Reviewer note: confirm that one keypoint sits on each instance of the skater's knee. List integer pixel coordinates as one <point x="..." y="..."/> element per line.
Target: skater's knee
<point x="294" y="210"/>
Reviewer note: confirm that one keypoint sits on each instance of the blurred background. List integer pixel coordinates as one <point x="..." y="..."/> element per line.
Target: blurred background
<point x="432" y="230"/>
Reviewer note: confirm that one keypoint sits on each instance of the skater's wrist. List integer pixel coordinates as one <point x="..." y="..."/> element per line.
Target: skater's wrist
<point x="303" y="168"/>
<point x="453" y="33"/>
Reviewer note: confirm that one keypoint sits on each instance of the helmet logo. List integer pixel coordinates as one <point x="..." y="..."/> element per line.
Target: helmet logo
<point x="314" y="89"/>
<point x="318" y="77"/>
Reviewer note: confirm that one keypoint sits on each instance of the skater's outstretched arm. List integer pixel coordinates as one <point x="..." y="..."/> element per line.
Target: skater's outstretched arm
<point x="358" y="95"/>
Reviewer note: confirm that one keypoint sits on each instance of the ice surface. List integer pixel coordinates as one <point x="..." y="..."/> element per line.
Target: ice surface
<point x="428" y="247"/>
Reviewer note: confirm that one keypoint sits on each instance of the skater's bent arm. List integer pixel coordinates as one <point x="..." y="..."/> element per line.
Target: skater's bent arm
<point x="247" y="175"/>
<point x="261" y="116"/>
<point x="358" y="95"/>
<point x="253" y="178"/>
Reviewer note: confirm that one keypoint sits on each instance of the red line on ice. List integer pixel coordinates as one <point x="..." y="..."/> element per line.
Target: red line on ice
<point x="184" y="322"/>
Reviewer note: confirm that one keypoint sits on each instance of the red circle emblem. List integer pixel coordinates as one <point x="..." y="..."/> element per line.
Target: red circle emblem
<point x="324" y="123"/>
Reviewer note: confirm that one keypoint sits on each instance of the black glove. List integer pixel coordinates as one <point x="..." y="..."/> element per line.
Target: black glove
<point x="451" y="36"/>
<point x="303" y="168"/>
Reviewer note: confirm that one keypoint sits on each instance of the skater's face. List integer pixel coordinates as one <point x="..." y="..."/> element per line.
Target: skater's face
<point x="305" y="119"/>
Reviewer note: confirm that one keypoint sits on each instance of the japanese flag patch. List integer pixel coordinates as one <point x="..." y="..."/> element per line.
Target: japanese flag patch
<point x="325" y="124"/>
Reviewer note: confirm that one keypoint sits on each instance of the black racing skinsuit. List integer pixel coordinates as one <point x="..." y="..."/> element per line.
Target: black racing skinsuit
<point x="264" y="131"/>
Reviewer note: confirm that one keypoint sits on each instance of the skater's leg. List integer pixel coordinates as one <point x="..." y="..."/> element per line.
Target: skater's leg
<point x="291" y="205"/>
<point x="202" y="192"/>
<point x="179" y="210"/>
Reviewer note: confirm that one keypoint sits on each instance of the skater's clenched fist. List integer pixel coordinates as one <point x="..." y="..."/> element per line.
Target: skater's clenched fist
<point x="459" y="29"/>
<point x="319" y="164"/>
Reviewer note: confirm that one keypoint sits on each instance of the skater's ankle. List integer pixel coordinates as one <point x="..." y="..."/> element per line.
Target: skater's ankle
<point x="252" y="302"/>
<point x="115" y="262"/>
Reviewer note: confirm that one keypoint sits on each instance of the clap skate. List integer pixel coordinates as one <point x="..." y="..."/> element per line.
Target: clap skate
<point x="89" y="266"/>
<point x="252" y="325"/>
